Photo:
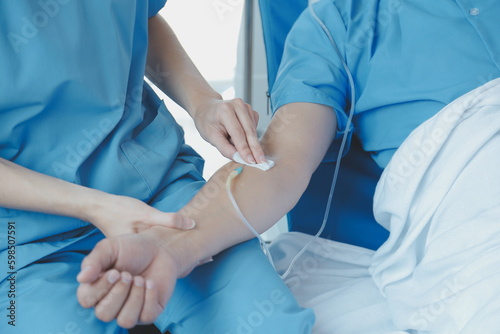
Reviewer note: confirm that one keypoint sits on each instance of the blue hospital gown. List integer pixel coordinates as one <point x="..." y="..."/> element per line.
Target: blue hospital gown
<point x="408" y="59"/>
<point x="74" y="105"/>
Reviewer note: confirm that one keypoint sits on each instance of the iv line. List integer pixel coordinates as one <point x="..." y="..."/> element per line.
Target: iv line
<point x="342" y="145"/>
<point x="239" y="170"/>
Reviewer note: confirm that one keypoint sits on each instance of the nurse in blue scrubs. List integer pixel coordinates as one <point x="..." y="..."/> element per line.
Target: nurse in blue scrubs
<point x="87" y="150"/>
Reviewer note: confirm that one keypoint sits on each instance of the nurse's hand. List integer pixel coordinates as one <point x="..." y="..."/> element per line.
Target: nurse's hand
<point x="131" y="278"/>
<point x="230" y="126"/>
<point x="119" y="215"/>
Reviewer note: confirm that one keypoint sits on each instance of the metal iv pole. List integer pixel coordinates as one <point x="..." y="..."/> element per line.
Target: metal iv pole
<point x="247" y="72"/>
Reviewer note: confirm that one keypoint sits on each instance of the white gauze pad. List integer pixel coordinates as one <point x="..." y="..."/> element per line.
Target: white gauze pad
<point x="262" y="166"/>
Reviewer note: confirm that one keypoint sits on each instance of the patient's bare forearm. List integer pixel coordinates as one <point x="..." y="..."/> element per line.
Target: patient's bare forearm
<point x="297" y="141"/>
<point x="262" y="203"/>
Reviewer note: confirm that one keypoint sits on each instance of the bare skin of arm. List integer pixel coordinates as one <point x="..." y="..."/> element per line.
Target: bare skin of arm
<point x="229" y="125"/>
<point x="297" y="140"/>
<point x="24" y="189"/>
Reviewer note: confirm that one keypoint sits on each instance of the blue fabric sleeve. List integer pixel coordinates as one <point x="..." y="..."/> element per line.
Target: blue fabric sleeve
<point x="311" y="70"/>
<point x="155" y="6"/>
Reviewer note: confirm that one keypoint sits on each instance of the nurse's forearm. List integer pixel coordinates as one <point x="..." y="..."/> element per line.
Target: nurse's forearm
<point x="114" y="215"/>
<point x="24" y="189"/>
<point x="229" y="125"/>
<point x="170" y="69"/>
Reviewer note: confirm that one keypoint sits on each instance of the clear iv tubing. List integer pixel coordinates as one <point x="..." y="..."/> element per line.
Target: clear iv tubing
<point x="342" y="145"/>
<point x="229" y="182"/>
<point x="238" y="170"/>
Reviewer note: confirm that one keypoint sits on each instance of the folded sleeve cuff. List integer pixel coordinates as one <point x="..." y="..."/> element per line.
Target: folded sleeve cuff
<point x="304" y="93"/>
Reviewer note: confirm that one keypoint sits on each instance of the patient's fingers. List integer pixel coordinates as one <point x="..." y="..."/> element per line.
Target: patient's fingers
<point x="89" y="294"/>
<point x="152" y="308"/>
<point x="102" y="257"/>
<point x="108" y="308"/>
<point x="131" y="311"/>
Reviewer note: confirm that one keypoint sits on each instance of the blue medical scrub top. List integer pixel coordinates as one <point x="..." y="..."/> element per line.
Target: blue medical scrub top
<point x="74" y="105"/>
<point x="408" y="59"/>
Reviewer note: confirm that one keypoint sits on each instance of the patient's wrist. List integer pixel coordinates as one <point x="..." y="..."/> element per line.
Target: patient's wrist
<point x="179" y="245"/>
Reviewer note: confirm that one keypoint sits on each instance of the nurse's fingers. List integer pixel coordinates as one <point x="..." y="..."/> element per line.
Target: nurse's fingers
<point x="152" y="307"/>
<point x="249" y="118"/>
<point x="89" y="294"/>
<point x="236" y="131"/>
<point x="170" y="219"/>
<point x="242" y="130"/>
<point x="109" y="307"/>
<point x="131" y="311"/>
<point x="221" y="142"/>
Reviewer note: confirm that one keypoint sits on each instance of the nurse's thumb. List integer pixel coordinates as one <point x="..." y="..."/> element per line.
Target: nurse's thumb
<point x="172" y="220"/>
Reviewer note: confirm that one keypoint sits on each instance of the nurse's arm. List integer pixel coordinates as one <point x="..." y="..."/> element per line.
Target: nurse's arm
<point x="25" y="189"/>
<point x="297" y="139"/>
<point x="229" y="125"/>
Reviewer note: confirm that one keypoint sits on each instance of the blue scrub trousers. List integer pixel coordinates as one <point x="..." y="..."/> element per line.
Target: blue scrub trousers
<point x="238" y="292"/>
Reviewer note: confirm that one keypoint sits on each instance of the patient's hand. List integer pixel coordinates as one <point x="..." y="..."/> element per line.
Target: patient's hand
<point x="149" y="264"/>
